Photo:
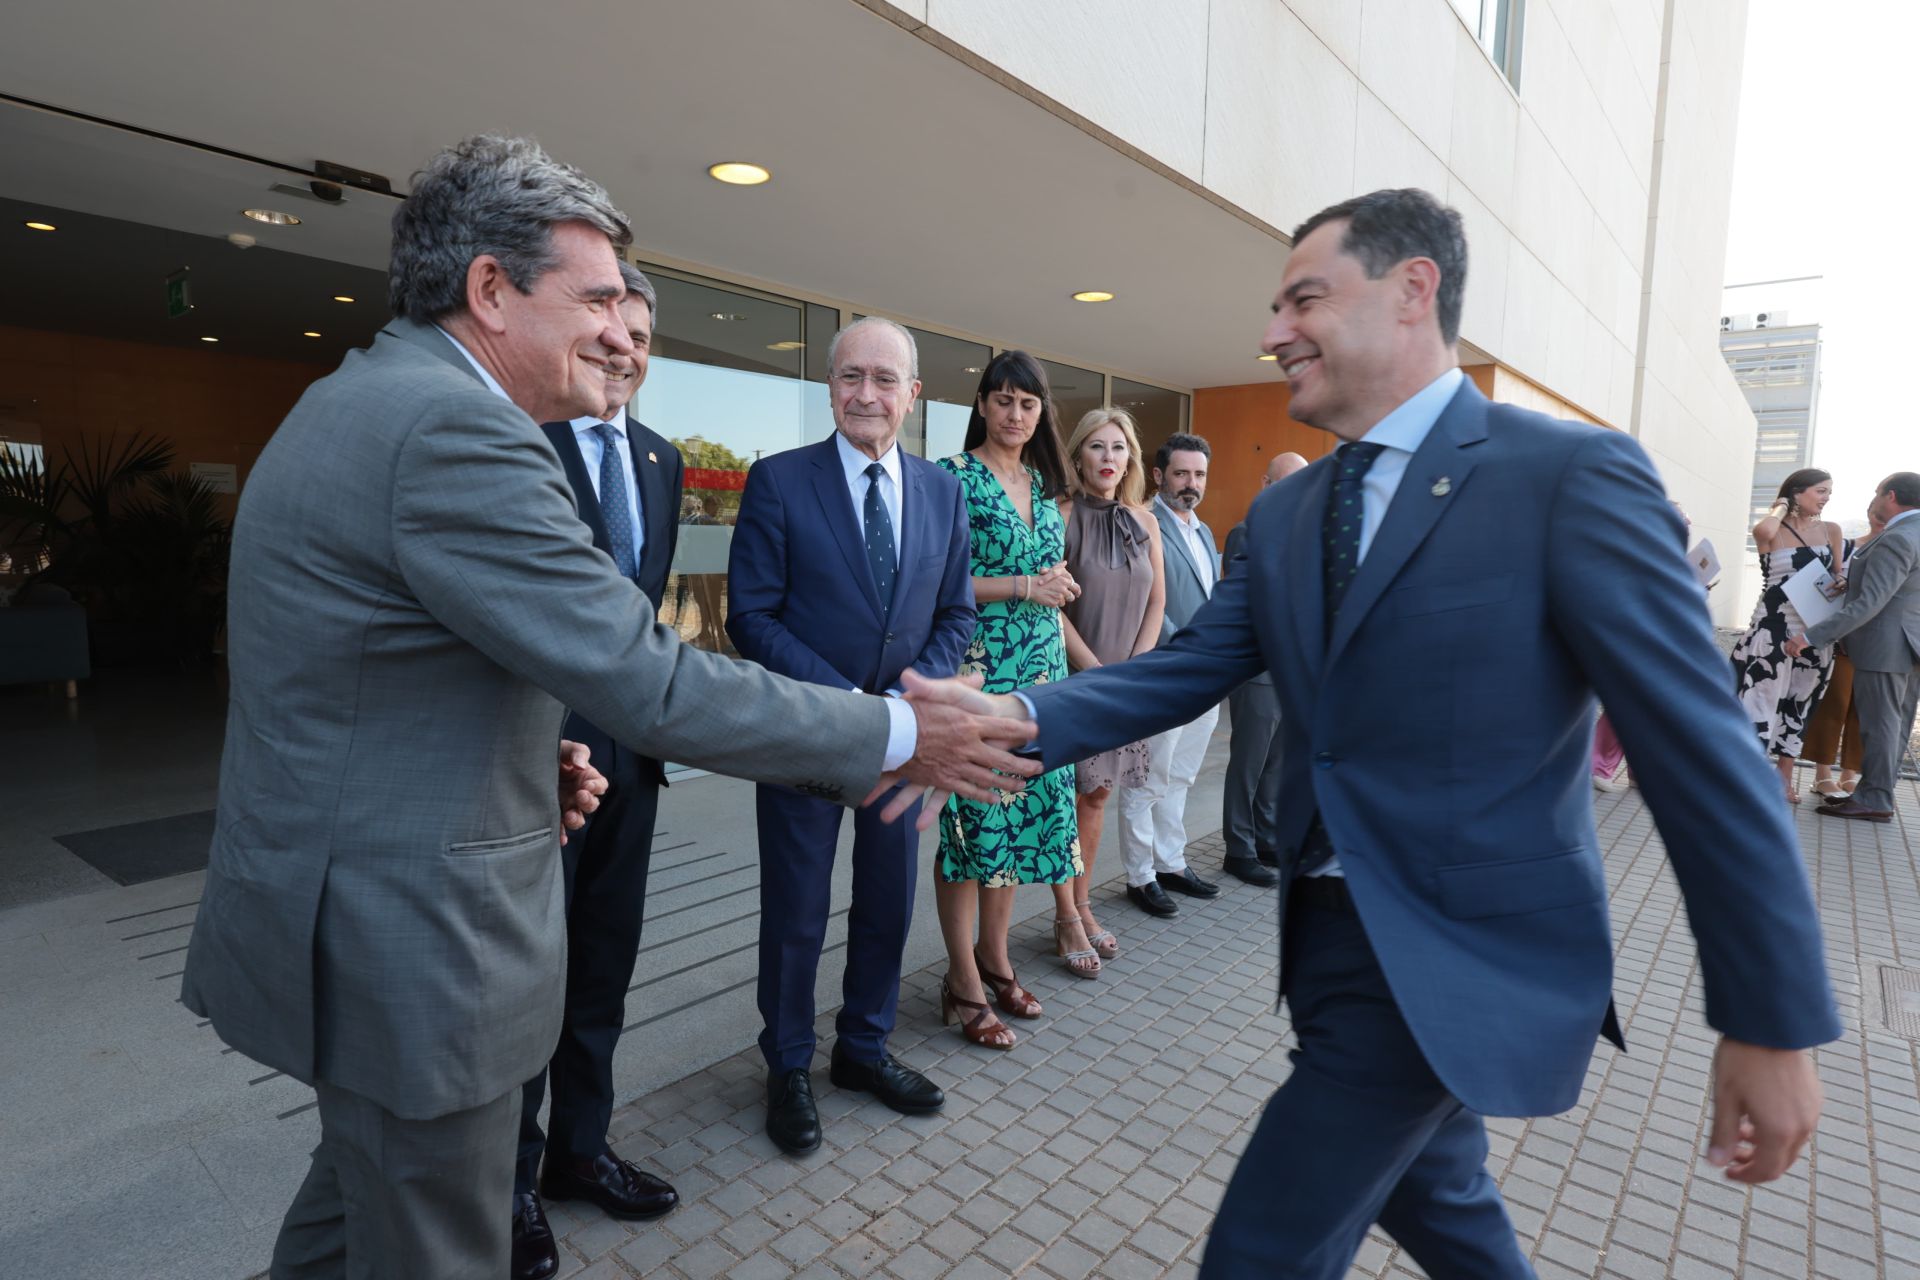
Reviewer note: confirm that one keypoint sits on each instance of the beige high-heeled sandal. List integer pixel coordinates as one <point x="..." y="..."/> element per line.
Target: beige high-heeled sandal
<point x="1081" y="964"/>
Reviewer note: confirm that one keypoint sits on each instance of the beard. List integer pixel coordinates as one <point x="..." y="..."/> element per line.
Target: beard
<point x="1184" y="499"/>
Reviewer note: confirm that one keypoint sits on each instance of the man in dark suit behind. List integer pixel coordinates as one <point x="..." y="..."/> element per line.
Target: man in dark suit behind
<point x="850" y="565"/>
<point x="626" y="480"/>
<point x="1438" y="603"/>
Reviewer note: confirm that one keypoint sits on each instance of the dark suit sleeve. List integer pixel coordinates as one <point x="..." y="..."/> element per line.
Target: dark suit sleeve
<point x="1623" y="600"/>
<point x="757" y="587"/>
<point x="1149" y="693"/>
<point x="1236" y="547"/>
<point x="955" y="616"/>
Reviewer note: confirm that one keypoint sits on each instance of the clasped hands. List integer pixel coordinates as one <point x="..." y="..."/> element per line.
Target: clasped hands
<point x="964" y="746"/>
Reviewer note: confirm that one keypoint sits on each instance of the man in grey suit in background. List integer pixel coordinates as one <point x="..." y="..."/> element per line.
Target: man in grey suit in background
<point x="1153" y="816"/>
<point x="413" y="604"/>
<point x="1880" y="622"/>
<point x="1250" y="803"/>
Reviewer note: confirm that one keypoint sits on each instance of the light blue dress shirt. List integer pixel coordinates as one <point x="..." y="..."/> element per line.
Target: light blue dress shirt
<point x="855" y="464"/>
<point x="903" y="730"/>
<point x="586" y="435"/>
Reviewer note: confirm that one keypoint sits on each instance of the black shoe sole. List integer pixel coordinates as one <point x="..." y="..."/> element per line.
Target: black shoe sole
<point x="1167" y="914"/>
<point x="624" y="1215"/>
<point x="895" y="1104"/>
<point x="794" y="1149"/>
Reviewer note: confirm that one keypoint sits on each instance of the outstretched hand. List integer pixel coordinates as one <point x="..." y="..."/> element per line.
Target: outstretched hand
<point x="1766" y="1103"/>
<point x="964" y="747"/>
<point x="581" y="786"/>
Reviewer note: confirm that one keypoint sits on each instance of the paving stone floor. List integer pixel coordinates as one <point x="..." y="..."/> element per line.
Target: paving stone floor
<point x="1101" y="1144"/>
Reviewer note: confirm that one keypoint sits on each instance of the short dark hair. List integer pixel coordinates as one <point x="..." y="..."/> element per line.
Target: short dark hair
<point x="1184" y="442"/>
<point x="1018" y="371"/>
<point x="1904" y="486"/>
<point x="1385" y="228"/>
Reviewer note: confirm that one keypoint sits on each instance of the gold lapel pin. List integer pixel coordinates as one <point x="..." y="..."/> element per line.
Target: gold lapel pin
<point x="1442" y="487"/>
<point x="652" y="456"/>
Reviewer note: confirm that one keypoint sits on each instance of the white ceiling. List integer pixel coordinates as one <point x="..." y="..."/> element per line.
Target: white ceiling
<point x="904" y="182"/>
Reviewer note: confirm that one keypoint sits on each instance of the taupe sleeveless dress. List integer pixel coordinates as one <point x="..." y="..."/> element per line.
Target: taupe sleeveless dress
<point x="1109" y="555"/>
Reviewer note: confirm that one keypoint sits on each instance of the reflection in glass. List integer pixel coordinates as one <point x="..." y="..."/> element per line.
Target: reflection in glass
<point x="1157" y="412"/>
<point x="949" y="374"/>
<point x="1074" y="392"/>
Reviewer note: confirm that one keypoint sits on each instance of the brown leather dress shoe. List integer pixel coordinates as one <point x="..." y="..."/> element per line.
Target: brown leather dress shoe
<point x="621" y="1190"/>
<point x="1853" y="809"/>
<point x="535" y="1255"/>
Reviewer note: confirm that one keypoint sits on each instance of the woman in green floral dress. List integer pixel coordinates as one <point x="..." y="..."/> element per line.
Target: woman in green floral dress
<point x="1011" y="473"/>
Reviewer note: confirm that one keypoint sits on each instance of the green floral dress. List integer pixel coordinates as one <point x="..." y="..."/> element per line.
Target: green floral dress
<point x="1028" y="837"/>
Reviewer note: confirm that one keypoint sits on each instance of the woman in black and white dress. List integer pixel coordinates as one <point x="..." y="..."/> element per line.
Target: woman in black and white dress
<point x="1778" y="691"/>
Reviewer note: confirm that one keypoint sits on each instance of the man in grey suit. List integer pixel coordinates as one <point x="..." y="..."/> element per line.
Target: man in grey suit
<point x="413" y="604"/>
<point x="1153" y="816"/>
<point x="1880" y="622"/>
<point x="1250" y="804"/>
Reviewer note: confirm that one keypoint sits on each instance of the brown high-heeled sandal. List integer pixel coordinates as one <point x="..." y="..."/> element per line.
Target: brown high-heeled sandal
<point x="1081" y="964"/>
<point x="1007" y="992"/>
<point x="998" y="1035"/>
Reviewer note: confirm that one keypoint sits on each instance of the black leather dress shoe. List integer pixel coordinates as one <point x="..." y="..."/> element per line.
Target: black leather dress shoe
<point x="620" y="1189"/>
<point x="1252" y="871"/>
<point x="793" y="1122"/>
<point x="1188" y="883"/>
<point x="1152" y="899"/>
<point x="902" y="1088"/>
<point x="1270" y="860"/>
<point x="535" y="1255"/>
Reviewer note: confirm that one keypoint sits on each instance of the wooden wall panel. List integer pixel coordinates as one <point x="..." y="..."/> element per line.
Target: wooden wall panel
<point x="1246" y="425"/>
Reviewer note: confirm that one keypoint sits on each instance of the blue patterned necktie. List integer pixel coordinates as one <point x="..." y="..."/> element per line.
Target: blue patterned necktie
<point x="614" y="508"/>
<point x="1339" y="561"/>
<point x="879" y="533"/>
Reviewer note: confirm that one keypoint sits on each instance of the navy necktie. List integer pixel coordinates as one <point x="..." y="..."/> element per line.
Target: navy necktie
<point x="879" y="533"/>
<point x="1339" y="561"/>
<point x="614" y="507"/>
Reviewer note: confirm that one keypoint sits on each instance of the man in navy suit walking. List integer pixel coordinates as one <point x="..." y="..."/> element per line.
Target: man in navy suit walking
<point x="1438" y="602"/>
<point x="849" y="567"/>
<point x="626" y="483"/>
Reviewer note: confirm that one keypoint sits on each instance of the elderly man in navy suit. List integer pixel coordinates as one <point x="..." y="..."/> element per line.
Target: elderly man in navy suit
<point x="1438" y="603"/>
<point x="849" y="567"/>
<point x="626" y="483"/>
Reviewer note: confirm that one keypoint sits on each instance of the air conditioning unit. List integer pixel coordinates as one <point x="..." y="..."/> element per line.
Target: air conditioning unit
<point x="1736" y="324"/>
<point x="1726" y="323"/>
<point x="1770" y="320"/>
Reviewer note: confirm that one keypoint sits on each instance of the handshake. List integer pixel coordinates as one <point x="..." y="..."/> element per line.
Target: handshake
<point x="965" y="745"/>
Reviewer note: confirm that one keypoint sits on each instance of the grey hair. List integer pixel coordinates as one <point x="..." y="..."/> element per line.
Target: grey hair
<point x="913" y="350"/>
<point x="487" y="195"/>
<point x="638" y="286"/>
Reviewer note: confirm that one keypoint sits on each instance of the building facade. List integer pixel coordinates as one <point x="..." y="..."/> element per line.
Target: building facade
<point x="963" y="166"/>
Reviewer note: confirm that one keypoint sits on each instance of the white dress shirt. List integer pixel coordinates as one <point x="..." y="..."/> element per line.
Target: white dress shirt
<point x="1402" y="432"/>
<point x="1199" y="546"/>
<point x="856" y="463"/>
<point x="903" y="730"/>
<point x="586" y="434"/>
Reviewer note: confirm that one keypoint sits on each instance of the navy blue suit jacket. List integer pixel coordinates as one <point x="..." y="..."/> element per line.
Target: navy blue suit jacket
<point x="1444" y="733"/>
<point x="800" y="594"/>
<point x="658" y="473"/>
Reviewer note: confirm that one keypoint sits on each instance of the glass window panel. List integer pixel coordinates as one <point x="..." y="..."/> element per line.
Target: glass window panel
<point x="949" y="376"/>
<point x="1074" y="392"/>
<point x="822" y="324"/>
<point x="1157" y="412"/>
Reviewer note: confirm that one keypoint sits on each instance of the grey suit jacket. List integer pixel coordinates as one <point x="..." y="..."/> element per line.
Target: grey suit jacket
<point x="1237" y="547"/>
<point x="413" y="600"/>
<point x="1185" y="591"/>
<point x="1880" y="617"/>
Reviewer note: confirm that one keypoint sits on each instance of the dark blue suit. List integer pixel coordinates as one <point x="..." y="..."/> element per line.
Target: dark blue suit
<point x="605" y="862"/>
<point x="801" y="601"/>
<point x="1443" y="733"/>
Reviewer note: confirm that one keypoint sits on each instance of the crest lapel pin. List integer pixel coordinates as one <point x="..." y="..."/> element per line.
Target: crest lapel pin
<point x="652" y="456"/>
<point x="1442" y="487"/>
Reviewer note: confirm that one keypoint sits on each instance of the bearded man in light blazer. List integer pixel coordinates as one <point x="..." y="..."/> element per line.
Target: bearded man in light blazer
<point x="1438" y="603"/>
<point x="1879" y="622"/>
<point x="413" y="605"/>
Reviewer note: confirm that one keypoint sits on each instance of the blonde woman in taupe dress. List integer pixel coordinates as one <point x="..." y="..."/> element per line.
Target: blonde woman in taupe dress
<point x="1113" y="552"/>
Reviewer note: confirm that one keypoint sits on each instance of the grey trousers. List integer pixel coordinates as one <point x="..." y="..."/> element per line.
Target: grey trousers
<point x="1885" y="701"/>
<point x="403" y="1199"/>
<point x="1250" y="807"/>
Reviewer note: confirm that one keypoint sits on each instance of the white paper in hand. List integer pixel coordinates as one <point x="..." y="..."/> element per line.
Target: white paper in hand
<point x="1705" y="561"/>
<point x="1807" y="591"/>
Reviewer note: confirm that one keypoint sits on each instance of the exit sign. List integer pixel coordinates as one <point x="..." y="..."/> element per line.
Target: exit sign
<point x="179" y="297"/>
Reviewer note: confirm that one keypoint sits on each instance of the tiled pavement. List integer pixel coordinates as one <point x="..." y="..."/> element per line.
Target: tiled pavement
<point x="1101" y="1144"/>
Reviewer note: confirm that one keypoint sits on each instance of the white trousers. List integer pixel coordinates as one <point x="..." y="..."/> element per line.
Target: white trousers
<point x="1153" y="817"/>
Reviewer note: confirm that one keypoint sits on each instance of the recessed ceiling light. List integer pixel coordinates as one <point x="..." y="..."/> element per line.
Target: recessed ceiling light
<point x="972" y="368"/>
<point x="209" y="339"/>
<point x="1093" y="295"/>
<point x="272" y="217"/>
<point x="725" y="316"/>
<point x="1271" y="359"/>
<point x="789" y="345"/>
<point x="41" y="226"/>
<point x="310" y="333"/>
<point x="341" y="297"/>
<point x="738" y="173"/>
